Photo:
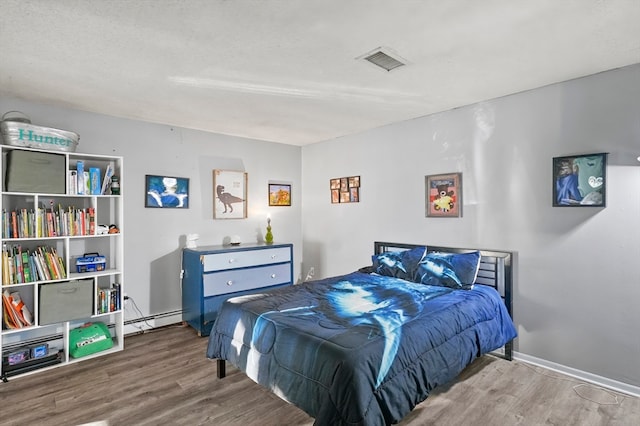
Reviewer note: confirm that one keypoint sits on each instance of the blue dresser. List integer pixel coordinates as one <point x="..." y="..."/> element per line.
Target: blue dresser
<point x="212" y="274"/>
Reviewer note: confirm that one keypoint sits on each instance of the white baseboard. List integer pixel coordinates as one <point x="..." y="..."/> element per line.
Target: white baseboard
<point x="151" y="322"/>
<point x="579" y="374"/>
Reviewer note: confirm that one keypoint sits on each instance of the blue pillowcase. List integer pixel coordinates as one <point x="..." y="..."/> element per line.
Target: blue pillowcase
<point x="453" y="270"/>
<point x="399" y="264"/>
<point x="448" y="269"/>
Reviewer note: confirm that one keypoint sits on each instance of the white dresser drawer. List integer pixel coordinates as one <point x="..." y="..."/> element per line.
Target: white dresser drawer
<point x="231" y="281"/>
<point x="241" y="259"/>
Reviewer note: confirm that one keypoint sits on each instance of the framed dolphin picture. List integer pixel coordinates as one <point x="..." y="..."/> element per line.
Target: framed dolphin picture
<point x="229" y="194"/>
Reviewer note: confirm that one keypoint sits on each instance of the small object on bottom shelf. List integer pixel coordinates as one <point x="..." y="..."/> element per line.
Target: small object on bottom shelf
<point x="9" y="370"/>
<point x="88" y="339"/>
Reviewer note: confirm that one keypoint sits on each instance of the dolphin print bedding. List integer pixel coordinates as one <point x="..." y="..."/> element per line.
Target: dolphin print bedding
<point x="361" y="348"/>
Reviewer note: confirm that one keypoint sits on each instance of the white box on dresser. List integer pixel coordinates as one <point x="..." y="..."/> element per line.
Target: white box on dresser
<point x="212" y="274"/>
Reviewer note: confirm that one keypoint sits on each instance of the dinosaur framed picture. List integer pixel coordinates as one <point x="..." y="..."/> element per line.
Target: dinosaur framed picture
<point x="443" y="196"/>
<point x="229" y="194"/>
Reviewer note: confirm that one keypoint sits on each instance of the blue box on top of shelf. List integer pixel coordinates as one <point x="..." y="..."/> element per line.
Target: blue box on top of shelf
<point x="91" y="262"/>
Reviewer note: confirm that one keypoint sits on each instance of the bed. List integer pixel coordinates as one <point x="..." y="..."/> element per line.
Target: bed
<point x="366" y="347"/>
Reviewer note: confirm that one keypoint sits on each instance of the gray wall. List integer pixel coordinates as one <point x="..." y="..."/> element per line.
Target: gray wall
<point x="153" y="238"/>
<point x="577" y="279"/>
<point x="577" y="284"/>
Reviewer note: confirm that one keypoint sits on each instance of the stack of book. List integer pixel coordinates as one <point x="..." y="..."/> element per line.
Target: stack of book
<point x="109" y="299"/>
<point x="65" y="221"/>
<point x="24" y="266"/>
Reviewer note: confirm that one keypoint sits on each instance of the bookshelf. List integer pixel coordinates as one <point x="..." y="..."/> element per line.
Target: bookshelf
<point x="50" y="224"/>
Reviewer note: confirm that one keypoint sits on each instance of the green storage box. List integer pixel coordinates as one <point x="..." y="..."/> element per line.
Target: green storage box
<point x="88" y="339"/>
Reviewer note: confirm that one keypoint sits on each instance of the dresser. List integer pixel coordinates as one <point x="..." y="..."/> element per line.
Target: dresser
<point x="212" y="274"/>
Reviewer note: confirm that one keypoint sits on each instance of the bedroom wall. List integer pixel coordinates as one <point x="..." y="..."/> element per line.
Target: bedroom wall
<point x="153" y="238"/>
<point x="576" y="283"/>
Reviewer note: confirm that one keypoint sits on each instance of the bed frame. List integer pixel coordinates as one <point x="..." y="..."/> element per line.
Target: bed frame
<point x="496" y="270"/>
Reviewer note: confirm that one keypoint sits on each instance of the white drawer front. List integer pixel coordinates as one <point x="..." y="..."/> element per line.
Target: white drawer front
<point x="245" y="279"/>
<point x="242" y="259"/>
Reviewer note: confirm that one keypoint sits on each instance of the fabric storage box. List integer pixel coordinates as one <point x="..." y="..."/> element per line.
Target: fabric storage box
<point x="65" y="301"/>
<point x="32" y="171"/>
<point x="91" y="262"/>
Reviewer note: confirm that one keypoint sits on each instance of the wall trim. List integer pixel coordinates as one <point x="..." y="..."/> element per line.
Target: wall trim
<point x="579" y="374"/>
<point x="136" y="325"/>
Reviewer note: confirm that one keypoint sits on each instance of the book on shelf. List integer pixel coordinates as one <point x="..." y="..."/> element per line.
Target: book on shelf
<point x="73" y="182"/>
<point x="108" y="174"/>
<point x="14" y="224"/>
<point x="87" y="183"/>
<point x="26" y="267"/>
<point x="95" y="184"/>
<point x="80" y="177"/>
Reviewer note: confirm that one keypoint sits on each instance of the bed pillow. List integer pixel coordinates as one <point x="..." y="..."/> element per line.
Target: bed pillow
<point x="400" y="264"/>
<point x="452" y="270"/>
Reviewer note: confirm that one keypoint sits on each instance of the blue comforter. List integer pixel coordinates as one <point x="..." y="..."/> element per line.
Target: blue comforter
<point x="358" y="349"/>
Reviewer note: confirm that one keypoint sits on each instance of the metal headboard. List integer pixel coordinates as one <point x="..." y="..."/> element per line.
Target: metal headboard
<point x="496" y="270"/>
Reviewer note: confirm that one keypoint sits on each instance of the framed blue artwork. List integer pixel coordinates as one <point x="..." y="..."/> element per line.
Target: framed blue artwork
<point x="166" y="192"/>
<point x="580" y="180"/>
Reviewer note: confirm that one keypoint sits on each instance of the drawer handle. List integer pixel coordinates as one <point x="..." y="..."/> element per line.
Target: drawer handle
<point x="229" y="282"/>
<point x="231" y="260"/>
<point x="273" y="256"/>
<point x="273" y="275"/>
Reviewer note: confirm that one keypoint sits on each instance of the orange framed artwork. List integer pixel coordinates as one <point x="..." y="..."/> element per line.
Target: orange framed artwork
<point x="279" y="194"/>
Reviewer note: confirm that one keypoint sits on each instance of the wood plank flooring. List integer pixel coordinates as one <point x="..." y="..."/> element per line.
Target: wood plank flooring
<point x="163" y="378"/>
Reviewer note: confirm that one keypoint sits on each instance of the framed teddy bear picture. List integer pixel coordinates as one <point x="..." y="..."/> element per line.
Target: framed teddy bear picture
<point x="443" y="195"/>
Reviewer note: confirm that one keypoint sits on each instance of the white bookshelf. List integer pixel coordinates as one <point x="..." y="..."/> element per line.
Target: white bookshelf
<point x="108" y="210"/>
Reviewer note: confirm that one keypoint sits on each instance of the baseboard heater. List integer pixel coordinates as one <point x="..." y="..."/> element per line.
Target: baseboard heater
<point x="153" y="317"/>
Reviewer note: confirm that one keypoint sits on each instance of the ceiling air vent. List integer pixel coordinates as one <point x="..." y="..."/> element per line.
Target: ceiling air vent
<point x="383" y="59"/>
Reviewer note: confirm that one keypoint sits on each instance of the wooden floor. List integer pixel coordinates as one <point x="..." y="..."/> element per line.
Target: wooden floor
<point x="163" y="378"/>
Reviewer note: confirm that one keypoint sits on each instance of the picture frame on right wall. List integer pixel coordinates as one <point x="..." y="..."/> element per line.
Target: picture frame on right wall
<point x="443" y="197"/>
<point x="580" y="180"/>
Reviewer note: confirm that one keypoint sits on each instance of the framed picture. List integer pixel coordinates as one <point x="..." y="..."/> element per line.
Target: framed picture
<point x="166" y="192"/>
<point x="580" y="180"/>
<point x="345" y="189"/>
<point x="443" y="195"/>
<point x="279" y="194"/>
<point x="230" y="194"/>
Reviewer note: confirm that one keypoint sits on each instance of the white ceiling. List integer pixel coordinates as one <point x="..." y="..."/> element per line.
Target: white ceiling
<point x="288" y="70"/>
